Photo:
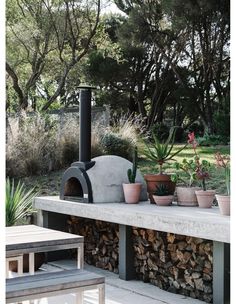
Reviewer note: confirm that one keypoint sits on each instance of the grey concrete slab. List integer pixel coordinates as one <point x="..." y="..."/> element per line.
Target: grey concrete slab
<point x="190" y="221"/>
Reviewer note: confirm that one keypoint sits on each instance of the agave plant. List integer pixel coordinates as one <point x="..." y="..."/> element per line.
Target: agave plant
<point x="162" y="190"/>
<point x="161" y="152"/>
<point x="18" y="202"/>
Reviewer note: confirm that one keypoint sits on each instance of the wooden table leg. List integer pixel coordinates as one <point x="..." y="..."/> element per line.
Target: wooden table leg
<point x="7" y="269"/>
<point x="101" y="294"/>
<point x="79" y="297"/>
<point x="31" y="263"/>
<point x="20" y="265"/>
<point x="80" y="256"/>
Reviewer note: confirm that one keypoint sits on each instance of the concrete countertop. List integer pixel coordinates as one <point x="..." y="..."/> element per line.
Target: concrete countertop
<point x="190" y="221"/>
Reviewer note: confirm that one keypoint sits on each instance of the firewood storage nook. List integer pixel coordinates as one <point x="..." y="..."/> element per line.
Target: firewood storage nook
<point x="206" y="224"/>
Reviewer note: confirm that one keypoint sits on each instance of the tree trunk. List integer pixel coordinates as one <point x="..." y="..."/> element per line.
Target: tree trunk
<point x="23" y="100"/>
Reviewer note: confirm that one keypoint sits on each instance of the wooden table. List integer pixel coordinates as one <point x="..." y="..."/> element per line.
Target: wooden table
<point x="31" y="239"/>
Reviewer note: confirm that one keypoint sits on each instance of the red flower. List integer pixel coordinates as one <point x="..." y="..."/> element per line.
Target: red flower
<point x="192" y="140"/>
<point x="191" y="137"/>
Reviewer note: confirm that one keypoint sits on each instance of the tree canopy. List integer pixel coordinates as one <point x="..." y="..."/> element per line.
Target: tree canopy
<point x="160" y="59"/>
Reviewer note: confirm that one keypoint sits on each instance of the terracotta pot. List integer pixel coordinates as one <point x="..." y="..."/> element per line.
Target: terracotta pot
<point x="154" y="180"/>
<point x="205" y="198"/>
<point x="132" y="192"/>
<point x="39" y="259"/>
<point x="186" y="196"/>
<point x="163" y="200"/>
<point x="224" y="204"/>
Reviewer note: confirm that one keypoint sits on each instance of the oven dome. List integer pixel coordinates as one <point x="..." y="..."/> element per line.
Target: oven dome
<point x="107" y="176"/>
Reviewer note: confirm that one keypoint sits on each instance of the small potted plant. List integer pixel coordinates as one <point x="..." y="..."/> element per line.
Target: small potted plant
<point x="161" y="152"/>
<point x="205" y="197"/>
<point x="132" y="190"/>
<point x="195" y="170"/>
<point x="162" y="195"/>
<point x="223" y="161"/>
<point x="185" y="174"/>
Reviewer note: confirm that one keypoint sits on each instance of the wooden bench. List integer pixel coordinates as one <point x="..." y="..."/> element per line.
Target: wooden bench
<point x="54" y="283"/>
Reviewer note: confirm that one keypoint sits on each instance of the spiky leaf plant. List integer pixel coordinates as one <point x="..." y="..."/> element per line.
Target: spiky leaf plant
<point x="162" y="190"/>
<point x="18" y="202"/>
<point x="161" y="152"/>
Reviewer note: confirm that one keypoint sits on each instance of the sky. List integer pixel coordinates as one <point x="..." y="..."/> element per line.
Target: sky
<point x="110" y="7"/>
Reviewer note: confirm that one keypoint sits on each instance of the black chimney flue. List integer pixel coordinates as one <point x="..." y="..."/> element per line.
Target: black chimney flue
<point x="85" y="124"/>
<point x="75" y="183"/>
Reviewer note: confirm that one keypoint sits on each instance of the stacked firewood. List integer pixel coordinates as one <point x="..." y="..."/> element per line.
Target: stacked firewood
<point x="100" y="241"/>
<point x="175" y="263"/>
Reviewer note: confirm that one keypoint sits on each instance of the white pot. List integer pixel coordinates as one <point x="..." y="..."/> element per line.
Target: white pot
<point x="132" y="192"/>
<point x="186" y="196"/>
<point x="205" y="198"/>
<point x="224" y="204"/>
<point x="163" y="200"/>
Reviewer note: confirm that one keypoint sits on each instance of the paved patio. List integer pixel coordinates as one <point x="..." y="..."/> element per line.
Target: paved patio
<point x="117" y="290"/>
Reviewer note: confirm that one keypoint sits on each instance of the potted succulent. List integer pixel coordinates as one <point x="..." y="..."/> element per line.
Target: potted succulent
<point x="223" y="161"/>
<point x="162" y="195"/>
<point x="205" y="197"/>
<point x="185" y="174"/>
<point x="132" y="190"/>
<point x="195" y="170"/>
<point x="160" y="152"/>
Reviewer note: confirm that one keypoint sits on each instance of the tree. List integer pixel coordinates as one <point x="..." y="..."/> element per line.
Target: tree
<point x="45" y="41"/>
<point x="192" y="36"/>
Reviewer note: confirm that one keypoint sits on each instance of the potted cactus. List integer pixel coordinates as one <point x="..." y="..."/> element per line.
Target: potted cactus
<point x="162" y="195"/>
<point x="132" y="190"/>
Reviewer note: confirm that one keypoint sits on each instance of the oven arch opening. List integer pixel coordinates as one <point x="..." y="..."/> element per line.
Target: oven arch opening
<point x="76" y="186"/>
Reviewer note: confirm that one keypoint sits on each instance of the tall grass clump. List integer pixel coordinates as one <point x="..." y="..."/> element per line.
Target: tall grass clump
<point x="122" y="136"/>
<point x="67" y="143"/>
<point x="40" y="144"/>
<point x="128" y="127"/>
<point x="30" y="147"/>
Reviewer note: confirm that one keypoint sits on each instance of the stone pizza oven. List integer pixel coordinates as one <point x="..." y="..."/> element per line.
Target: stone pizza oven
<point x="98" y="180"/>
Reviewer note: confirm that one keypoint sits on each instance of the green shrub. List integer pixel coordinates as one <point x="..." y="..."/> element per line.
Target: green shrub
<point x="160" y="130"/>
<point x="113" y="144"/>
<point x="222" y="124"/>
<point x="212" y="140"/>
<point x="180" y="135"/>
<point x="70" y="152"/>
<point x="197" y="128"/>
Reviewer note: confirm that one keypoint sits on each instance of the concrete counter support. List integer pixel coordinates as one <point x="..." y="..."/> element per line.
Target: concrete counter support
<point x="126" y="253"/>
<point x="221" y="273"/>
<point x="190" y="221"/>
